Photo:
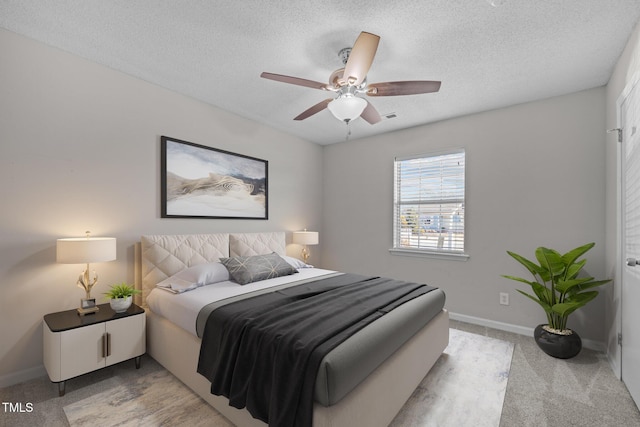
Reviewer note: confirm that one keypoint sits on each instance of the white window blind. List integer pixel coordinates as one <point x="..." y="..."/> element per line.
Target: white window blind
<point x="429" y="203"/>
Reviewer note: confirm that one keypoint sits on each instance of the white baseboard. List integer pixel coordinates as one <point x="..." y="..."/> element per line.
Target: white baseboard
<point x="22" y="376"/>
<point x="617" y="371"/>
<point x="521" y="330"/>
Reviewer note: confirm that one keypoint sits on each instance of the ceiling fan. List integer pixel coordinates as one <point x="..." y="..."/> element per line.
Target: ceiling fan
<point x="351" y="81"/>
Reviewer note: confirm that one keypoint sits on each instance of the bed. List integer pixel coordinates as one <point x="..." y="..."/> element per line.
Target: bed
<point x="389" y="365"/>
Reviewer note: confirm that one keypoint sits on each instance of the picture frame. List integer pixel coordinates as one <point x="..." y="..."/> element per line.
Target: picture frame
<point x="87" y="303"/>
<point x="198" y="181"/>
<point x="87" y="306"/>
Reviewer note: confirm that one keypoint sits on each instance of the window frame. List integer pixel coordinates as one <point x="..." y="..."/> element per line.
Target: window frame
<point x="396" y="248"/>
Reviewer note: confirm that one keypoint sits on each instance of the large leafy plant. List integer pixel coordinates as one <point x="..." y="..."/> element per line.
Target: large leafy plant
<point x="556" y="285"/>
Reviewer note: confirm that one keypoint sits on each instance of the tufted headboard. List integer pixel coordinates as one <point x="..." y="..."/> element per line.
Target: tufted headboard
<point x="162" y="256"/>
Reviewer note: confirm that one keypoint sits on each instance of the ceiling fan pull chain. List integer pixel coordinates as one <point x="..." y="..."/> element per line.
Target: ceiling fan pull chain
<point x="348" y="122"/>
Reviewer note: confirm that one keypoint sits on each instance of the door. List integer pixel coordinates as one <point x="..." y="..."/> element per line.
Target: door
<point x="126" y="338"/>
<point x="81" y="350"/>
<point x="630" y="292"/>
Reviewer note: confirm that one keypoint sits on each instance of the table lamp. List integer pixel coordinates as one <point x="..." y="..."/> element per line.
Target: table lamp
<point x="305" y="238"/>
<point x="85" y="250"/>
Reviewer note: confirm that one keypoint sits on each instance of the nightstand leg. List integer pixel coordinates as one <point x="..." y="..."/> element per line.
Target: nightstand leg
<point x="61" y="388"/>
<point x="138" y="362"/>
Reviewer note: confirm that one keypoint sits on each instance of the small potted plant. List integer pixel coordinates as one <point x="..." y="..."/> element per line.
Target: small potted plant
<point x="120" y="296"/>
<point x="559" y="291"/>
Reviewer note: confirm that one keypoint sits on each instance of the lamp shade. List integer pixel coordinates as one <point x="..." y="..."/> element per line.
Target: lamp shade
<point x="84" y="250"/>
<point x="305" y="237"/>
<point x="347" y="107"/>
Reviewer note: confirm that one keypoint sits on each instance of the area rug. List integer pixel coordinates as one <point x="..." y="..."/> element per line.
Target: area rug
<point x="465" y="387"/>
<point x="154" y="399"/>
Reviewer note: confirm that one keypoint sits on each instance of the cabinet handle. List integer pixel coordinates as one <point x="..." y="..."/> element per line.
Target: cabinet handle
<point x="108" y="344"/>
<point x="104" y="345"/>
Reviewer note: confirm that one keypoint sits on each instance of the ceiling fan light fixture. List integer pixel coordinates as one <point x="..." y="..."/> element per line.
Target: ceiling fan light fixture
<point x="347" y="107"/>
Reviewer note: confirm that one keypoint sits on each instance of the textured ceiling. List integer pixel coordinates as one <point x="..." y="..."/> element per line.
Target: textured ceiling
<point x="486" y="56"/>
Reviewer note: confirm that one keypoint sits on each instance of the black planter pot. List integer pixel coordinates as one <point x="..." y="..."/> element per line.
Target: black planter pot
<point x="556" y="345"/>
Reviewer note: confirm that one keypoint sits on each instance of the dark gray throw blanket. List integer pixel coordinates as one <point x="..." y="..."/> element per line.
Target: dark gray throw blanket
<point x="263" y="352"/>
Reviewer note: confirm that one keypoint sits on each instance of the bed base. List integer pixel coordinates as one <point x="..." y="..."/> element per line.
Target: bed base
<point x="375" y="402"/>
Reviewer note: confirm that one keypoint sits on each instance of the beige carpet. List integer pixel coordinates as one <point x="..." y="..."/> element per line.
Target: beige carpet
<point x="466" y="387"/>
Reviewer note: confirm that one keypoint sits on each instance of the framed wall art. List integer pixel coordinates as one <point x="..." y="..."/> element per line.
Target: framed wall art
<point x="204" y="182"/>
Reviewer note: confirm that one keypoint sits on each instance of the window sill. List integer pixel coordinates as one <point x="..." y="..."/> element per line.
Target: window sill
<point x="451" y="256"/>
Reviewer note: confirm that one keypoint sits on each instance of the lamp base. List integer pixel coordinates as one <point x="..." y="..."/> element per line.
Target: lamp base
<point x="87" y="306"/>
<point x="305" y="254"/>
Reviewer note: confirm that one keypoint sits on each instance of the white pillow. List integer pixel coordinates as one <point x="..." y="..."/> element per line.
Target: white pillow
<point x="193" y="277"/>
<point x="295" y="262"/>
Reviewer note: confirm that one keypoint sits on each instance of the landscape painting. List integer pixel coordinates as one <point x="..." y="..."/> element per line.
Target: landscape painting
<point x="204" y="182"/>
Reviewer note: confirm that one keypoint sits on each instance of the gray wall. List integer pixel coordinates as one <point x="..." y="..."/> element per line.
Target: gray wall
<point x="80" y="150"/>
<point x="535" y="177"/>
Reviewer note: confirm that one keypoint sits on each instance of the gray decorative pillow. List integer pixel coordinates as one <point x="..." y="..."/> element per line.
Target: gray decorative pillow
<point x="248" y="269"/>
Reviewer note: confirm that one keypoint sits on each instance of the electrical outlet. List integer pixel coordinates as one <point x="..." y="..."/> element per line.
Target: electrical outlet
<point x="504" y="298"/>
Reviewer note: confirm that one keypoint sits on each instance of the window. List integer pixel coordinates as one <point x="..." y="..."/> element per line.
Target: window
<point x="429" y="204"/>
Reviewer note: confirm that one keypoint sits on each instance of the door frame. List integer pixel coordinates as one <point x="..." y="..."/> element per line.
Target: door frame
<point x="616" y="361"/>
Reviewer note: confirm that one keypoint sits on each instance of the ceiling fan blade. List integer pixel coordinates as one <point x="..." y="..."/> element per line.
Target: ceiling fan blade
<point x="294" y="80"/>
<point x="370" y="114"/>
<point x="361" y="58"/>
<point x="403" y="88"/>
<point x="313" y="110"/>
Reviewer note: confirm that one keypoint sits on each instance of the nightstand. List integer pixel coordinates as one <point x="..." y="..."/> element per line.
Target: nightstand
<point x="75" y="345"/>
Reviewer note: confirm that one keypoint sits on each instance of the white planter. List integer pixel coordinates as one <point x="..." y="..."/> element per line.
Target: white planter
<point x="120" y="305"/>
